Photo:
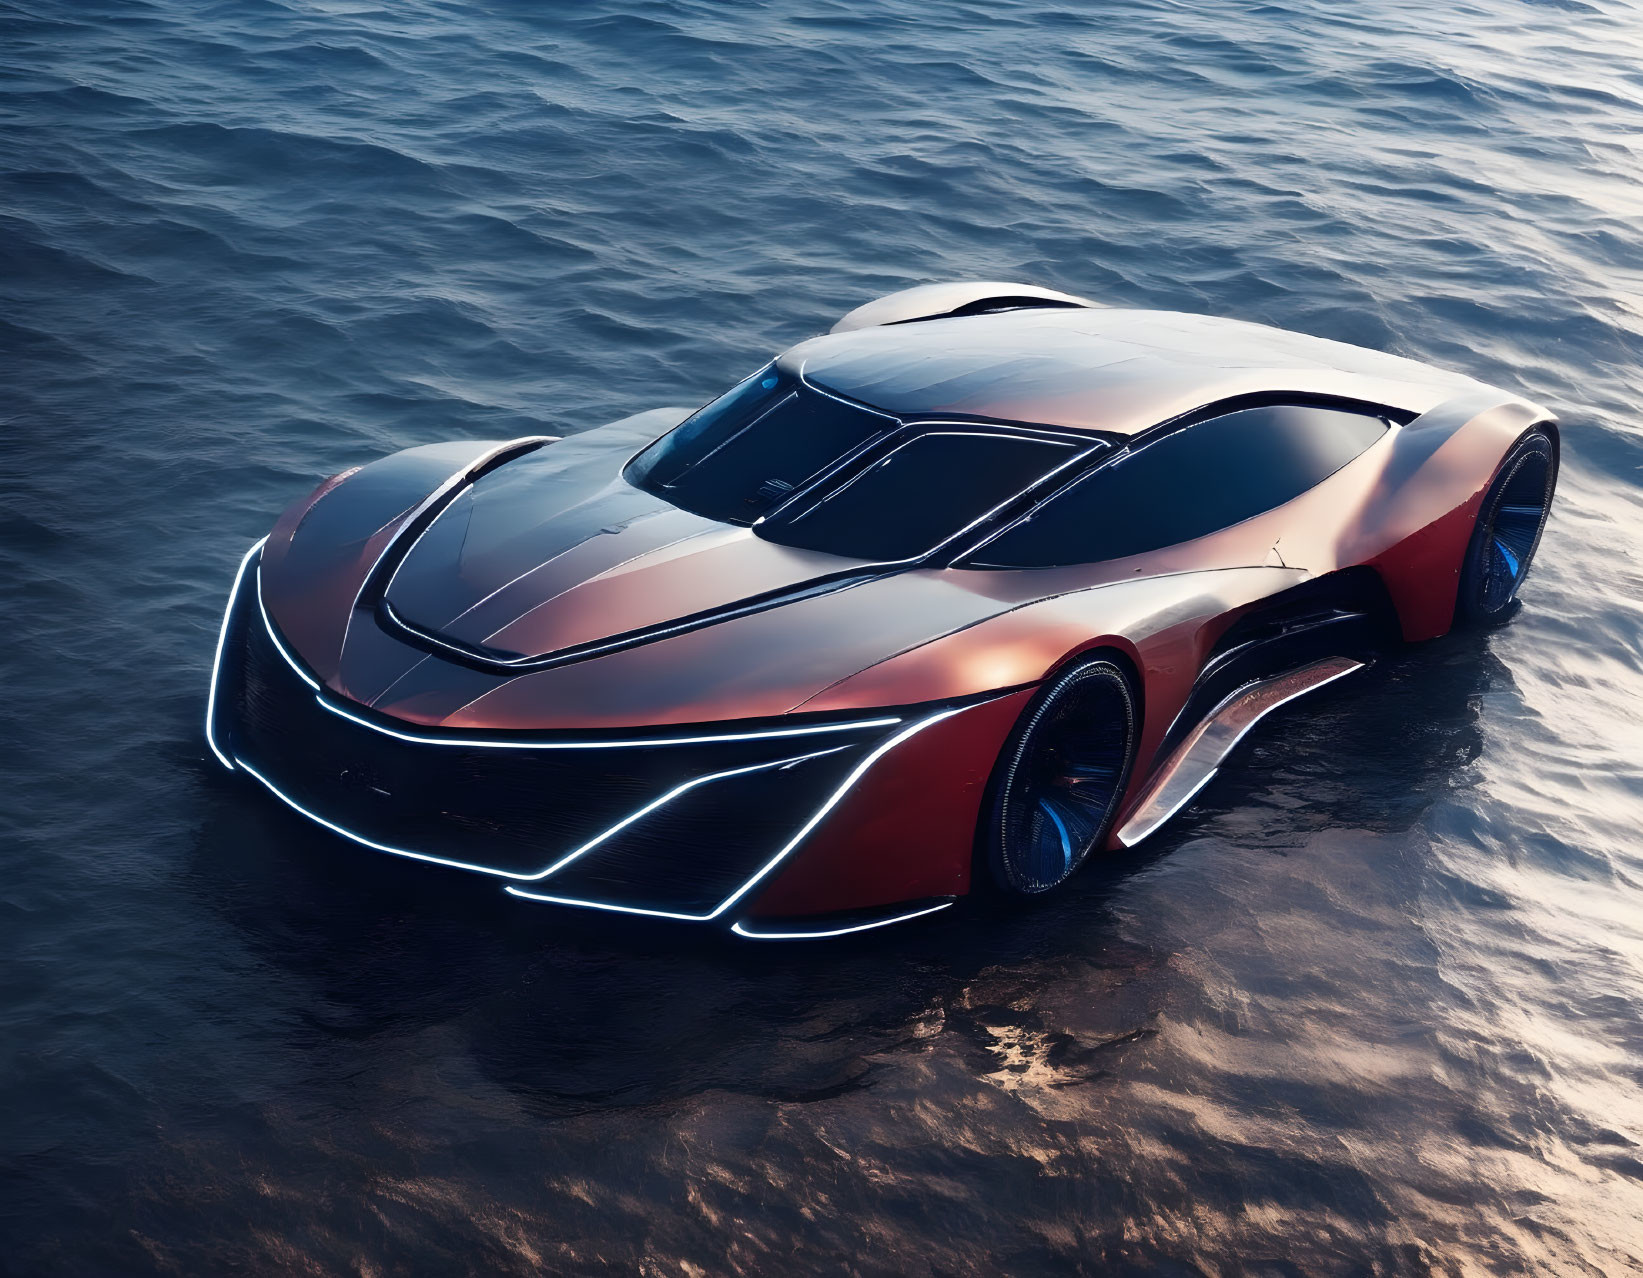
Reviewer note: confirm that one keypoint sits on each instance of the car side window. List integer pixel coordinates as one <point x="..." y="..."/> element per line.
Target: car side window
<point x="1191" y="482"/>
<point x="920" y="493"/>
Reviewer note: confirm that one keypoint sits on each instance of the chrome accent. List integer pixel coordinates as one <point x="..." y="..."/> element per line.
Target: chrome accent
<point x="1197" y="759"/>
<point x="740" y="928"/>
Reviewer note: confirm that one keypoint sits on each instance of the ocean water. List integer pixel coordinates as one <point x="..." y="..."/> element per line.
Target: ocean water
<point x="1373" y="1006"/>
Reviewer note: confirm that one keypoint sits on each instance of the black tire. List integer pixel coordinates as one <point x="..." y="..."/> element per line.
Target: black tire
<point x="1507" y="532"/>
<point x="1058" y="780"/>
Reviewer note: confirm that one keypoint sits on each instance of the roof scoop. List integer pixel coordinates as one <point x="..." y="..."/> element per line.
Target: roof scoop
<point x="950" y="301"/>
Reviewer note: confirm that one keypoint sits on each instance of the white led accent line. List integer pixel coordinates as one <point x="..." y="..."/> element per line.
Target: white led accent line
<point x="816" y="818"/>
<point x="563" y="861"/>
<point x="741" y="930"/>
<point x="216" y="663"/>
<point x="848" y="784"/>
<point x="481" y="744"/>
<point x="606" y="745"/>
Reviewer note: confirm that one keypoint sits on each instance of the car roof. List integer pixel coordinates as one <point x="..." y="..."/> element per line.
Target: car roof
<point x="1107" y="369"/>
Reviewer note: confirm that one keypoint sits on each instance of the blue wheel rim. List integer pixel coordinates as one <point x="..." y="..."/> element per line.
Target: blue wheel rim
<point x="1074" y="759"/>
<point x="1513" y="528"/>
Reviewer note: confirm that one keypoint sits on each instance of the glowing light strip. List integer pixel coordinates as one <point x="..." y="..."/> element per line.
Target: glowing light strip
<point x="773" y="734"/>
<point x="216" y="662"/>
<point x="605" y="906"/>
<point x="672" y="794"/>
<point x="845" y="787"/>
<point x="741" y="930"/>
<point x="509" y="874"/>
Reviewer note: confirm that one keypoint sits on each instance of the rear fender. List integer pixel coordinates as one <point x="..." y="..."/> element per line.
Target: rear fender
<point x="1428" y="499"/>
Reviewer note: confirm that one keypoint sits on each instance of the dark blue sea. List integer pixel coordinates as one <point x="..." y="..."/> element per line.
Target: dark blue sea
<point x="1374" y="1006"/>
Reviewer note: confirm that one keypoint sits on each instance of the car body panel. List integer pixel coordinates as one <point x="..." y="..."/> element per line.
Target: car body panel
<point x="834" y="652"/>
<point x="319" y="552"/>
<point x="907" y="832"/>
<point x="1117" y="371"/>
<point x="525" y="587"/>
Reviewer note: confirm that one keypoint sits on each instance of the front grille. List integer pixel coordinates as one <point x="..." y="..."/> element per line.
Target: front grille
<point x="517" y="812"/>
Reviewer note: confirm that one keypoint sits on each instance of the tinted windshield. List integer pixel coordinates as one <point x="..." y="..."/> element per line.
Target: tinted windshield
<point x="919" y="494"/>
<point x="752" y="447"/>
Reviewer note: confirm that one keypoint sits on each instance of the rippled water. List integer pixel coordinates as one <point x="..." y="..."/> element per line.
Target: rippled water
<point x="1374" y="1006"/>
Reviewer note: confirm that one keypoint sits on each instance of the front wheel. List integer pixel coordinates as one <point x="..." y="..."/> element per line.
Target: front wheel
<point x="1507" y="532"/>
<point x="1060" y="777"/>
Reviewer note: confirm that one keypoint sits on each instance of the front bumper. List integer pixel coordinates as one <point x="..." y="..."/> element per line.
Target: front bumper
<point x="681" y="824"/>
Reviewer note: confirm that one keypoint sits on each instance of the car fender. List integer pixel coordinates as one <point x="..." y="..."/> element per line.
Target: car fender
<point x="901" y="835"/>
<point x="324" y="547"/>
<point x="1423" y="510"/>
<point x="325" y="544"/>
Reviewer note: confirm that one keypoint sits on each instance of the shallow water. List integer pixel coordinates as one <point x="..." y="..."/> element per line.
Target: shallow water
<point x="1375" y="1005"/>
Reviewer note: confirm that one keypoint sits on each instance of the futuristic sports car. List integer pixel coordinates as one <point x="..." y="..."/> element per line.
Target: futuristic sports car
<point x="986" y="580"/>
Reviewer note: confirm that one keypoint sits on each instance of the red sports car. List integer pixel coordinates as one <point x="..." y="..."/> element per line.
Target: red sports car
<point x="984" y="581"/>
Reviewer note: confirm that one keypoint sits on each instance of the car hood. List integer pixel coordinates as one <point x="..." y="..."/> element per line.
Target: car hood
<point x="542" y="556"/>
<point x="554" y="551"/>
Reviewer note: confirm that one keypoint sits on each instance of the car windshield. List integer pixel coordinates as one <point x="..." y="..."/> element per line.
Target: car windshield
<point x="748" y="450"/>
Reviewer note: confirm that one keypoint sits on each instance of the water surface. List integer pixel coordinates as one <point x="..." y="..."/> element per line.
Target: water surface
<point x="1374" y="1006"/>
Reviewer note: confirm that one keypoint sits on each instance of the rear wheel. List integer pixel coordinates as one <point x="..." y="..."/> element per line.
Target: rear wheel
<point x="1507" y="532"/>
<point x="1060" y="777"/>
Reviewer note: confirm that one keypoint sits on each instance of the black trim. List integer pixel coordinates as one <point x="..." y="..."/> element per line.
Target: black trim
<point x="639" y="735"/>
<point x="1346" y="613"/>
<point x="1272" y="399"/>
<point x="823" y="487"/>
<point x="1129" y="446"/>
<point x="382" y="572"/>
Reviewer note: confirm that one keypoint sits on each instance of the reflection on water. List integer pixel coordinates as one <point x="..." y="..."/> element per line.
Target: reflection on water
<point x="1370" y="1006"/>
